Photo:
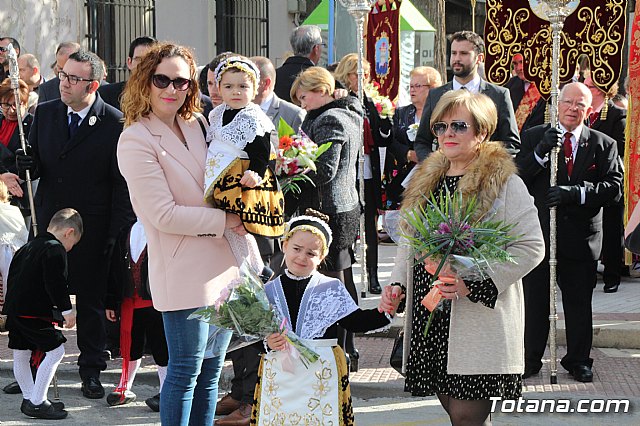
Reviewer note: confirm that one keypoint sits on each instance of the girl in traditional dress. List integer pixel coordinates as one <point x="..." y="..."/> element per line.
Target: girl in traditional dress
<point x="312" y="305"/>
<point x="238" y="178"/>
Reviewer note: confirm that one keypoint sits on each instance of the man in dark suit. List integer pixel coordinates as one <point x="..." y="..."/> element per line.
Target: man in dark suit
<point x="50" y="89"/>
<point x="589" y="176"/>
<point x="110" y="93"/>
<point x="467" y="51"/>
<point x="4" y="57"/>
<point x="610" y="120"/>
<point x="528" y="105"/>
<point x="73" y="142"/>
<point x="306" y="42"/>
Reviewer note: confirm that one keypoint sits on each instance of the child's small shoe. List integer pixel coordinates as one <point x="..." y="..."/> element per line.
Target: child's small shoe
<point x="120" y="398"/>
<point x="58" y="405"/>
<point x="46" y="410"/>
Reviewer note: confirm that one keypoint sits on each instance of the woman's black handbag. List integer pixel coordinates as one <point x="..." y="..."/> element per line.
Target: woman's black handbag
<point x="396" y="353"/>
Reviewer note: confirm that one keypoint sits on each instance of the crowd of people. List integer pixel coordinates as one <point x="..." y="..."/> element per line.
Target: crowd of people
<point x="159" y="187"/>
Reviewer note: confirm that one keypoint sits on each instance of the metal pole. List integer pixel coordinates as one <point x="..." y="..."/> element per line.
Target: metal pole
<point x="359" y="9"/>
<point x="14" y="75"/>
<point x="473" y="15"/>
<point x="554" y="11"/>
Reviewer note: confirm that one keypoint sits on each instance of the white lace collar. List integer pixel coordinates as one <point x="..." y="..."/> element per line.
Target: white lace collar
<point x="325" y="301"/>
<point x="250" y="122"/>
<point x="295" y="277"/>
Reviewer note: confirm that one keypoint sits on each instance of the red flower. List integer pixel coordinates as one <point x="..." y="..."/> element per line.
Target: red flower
<point x="379" y="107"/>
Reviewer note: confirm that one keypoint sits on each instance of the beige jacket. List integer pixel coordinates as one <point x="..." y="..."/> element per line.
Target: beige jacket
<point x="483" y="340"/>
<point x="189" y="260"/>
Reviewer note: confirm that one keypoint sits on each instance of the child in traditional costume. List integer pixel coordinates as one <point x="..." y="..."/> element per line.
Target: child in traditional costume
<point x="312" y="305"/>
<point x="36" y="294"/>
<point x="238" y="177"/>
<point x="128" y="292"/>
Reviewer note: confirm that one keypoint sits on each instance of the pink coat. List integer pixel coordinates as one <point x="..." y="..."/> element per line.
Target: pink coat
<point x="189" y="259"/>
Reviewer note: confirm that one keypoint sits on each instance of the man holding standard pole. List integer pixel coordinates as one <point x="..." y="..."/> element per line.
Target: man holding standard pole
<point x="588" y="177"/>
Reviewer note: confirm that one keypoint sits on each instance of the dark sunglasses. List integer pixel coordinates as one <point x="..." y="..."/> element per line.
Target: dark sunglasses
<point x="161" y="81"/>
<point x="3" y="49"/>
<point x="458" y="127"/>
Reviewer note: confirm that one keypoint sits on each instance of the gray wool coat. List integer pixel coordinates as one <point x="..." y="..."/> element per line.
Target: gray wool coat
<point x="338" y="122"/>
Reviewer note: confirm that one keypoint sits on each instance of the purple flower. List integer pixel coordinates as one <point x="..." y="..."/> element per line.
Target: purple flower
<point x="444" y="228"/>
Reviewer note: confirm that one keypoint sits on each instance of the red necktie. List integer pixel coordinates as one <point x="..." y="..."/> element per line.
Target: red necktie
<point x="568" y="153"/>
<point x="593" y="117"/>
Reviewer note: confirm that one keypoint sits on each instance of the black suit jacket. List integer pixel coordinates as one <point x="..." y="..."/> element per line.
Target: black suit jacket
<point x="82" y="173"/>
<point x="38" y="279"/>
<point x="613" y="126"/>
<point x="49" y="90"/>
<point x="506" y="132"/>
<point x="596" y="168"/>
<point x="110" y="93"/>
<point x="287" y="73"/>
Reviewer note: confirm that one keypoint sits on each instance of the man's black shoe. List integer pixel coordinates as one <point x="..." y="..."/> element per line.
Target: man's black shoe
<point x="582" y="373"/>
<point x="611" y="288"/>
<point x="153" y="403"/>
<point x="46" y="410"/>
<point x="92" y="388"/>
<point x="59" y="405"/>
<point x="12" y="388"/>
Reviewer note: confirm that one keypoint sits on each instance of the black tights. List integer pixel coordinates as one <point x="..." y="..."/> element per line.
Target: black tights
<point x="466" y="413"/>
<point x="345" y="338"/>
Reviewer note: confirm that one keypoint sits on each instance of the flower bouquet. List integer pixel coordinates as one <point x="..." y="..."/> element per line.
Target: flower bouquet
<point x="446" y="231"/>
<point x="296" y="156"/>
<point x="243" y="307"/>
<point x="383" y="104"/>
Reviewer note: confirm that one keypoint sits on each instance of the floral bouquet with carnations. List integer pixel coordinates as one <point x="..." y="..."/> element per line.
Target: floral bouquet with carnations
<point x="296" y="156"/>
<point x="243" y="307"/>
<point x="383" y="104"/>
<point x="447" y="232"/>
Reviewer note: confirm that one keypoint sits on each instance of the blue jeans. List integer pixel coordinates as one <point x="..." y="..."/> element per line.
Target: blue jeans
<point x="190" y="390"/>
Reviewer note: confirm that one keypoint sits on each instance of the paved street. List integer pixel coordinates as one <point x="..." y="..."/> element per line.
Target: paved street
<point x="378" y="390"/>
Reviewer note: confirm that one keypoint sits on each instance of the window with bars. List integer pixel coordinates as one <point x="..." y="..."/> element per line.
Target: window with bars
<point x="112" y="25"/>
<point x="242" y="26"/>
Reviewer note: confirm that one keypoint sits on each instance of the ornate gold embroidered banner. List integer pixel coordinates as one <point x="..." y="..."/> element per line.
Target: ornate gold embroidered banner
<point x="632" y="150"/>
<point x="596" y="29"/>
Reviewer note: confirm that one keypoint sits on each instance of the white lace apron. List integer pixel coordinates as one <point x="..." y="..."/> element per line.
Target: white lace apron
<point x="306" y="396"/>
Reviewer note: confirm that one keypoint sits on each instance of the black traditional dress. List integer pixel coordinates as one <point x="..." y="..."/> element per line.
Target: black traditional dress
<point x="239" y="140"/>
<point x="427" y="365"/>
<point x="314" y="307"/>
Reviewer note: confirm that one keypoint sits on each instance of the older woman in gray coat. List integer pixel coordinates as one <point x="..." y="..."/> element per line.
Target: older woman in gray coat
<point x="474" y="348"/>
<point x="339" y="122"/>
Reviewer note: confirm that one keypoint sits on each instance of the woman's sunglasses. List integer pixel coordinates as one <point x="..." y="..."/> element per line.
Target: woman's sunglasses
<point x="457" y="127"/>
<point x="161" y="81"/>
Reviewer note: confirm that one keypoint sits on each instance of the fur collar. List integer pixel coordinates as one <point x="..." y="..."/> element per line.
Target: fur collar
<point x="484" y="178"/>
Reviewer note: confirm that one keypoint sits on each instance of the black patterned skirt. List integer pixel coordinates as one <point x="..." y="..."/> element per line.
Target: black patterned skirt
<point x="427" y="365"/>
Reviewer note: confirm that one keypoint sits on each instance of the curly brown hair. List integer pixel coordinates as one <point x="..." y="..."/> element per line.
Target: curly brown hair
<point x="136" y="99"/>
<point x="6" y="92"/>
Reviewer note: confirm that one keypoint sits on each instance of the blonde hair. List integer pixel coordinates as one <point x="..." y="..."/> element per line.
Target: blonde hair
<point x="481" y="108"/>
<point x="136" y="99"/>
<point x="431" y="74"/>
<point x="349" y="65"/>
<point x="4" y="193"/>
<point x="313" y="79"/>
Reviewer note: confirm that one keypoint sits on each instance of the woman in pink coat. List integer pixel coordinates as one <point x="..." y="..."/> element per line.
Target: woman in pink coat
<point x="161" y="154"/>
